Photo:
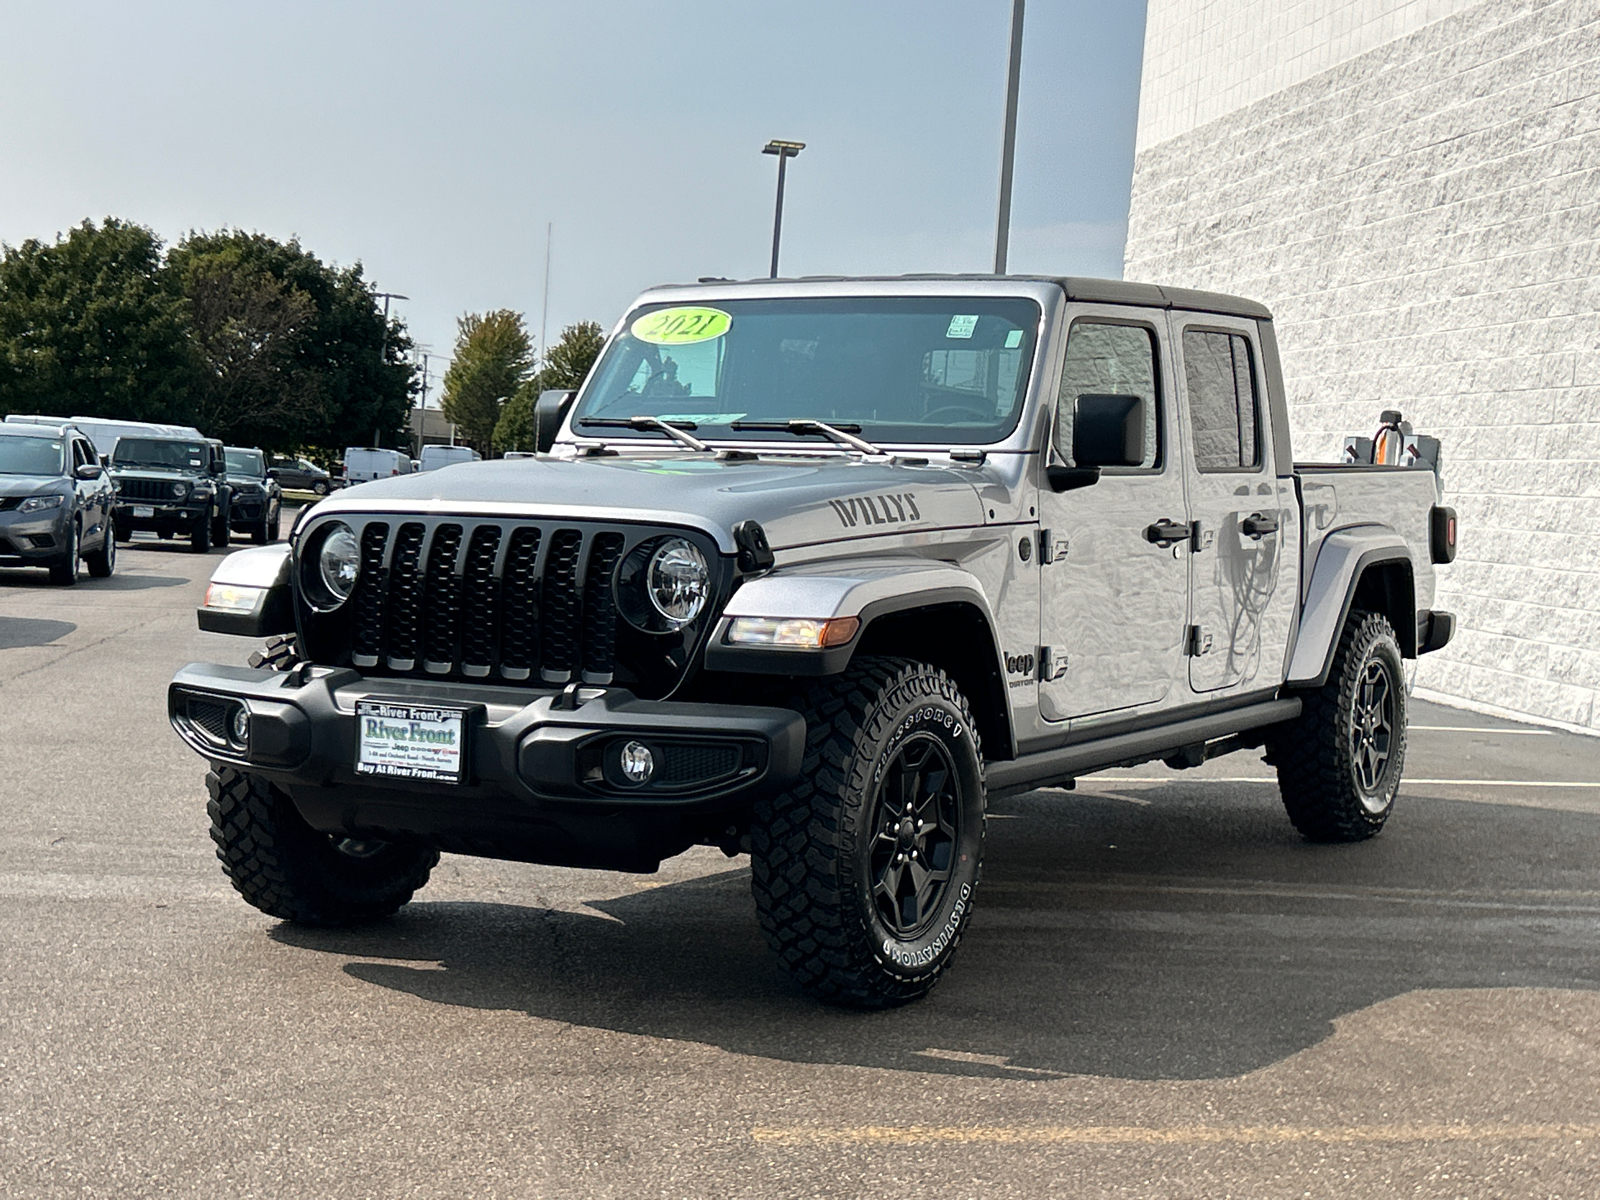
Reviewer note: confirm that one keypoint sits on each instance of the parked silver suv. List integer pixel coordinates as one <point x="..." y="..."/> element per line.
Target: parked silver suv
<point x="55" y="502"/>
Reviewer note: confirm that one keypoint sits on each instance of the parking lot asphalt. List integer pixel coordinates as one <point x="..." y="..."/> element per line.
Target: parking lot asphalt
<point x="1164" y="992"/>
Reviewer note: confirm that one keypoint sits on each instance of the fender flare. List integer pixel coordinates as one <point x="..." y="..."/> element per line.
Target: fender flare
<point x="262" y="570"/>
<point x="863" y="588"/>
<point x="1345" y="555"/>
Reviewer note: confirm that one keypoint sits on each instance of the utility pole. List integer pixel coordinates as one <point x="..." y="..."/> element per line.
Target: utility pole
<point x="544" y="309"/>
<point x="383" y="342"/>
<point x="785" y="151"/>
<point x="1008" y="152"/>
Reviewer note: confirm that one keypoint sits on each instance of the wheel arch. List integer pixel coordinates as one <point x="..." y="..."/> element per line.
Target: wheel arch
<point x="955" y="635"/>
<point x="1367" y="568"/>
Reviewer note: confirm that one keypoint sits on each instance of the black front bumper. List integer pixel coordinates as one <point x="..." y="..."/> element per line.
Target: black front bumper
<point x="540" y="781"/>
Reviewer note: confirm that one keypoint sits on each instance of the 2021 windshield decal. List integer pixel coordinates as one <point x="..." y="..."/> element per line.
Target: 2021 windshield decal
<point x="894" y="508"/>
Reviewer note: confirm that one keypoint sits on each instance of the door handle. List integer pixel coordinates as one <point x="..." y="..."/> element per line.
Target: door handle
<point x="1164" y="532"/>
<point x="1258" y="526"/>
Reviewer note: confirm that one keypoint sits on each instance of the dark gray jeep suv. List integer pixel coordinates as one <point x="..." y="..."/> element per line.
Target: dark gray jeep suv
<point x="172" y="486"/>
<point x="55" y="502"/>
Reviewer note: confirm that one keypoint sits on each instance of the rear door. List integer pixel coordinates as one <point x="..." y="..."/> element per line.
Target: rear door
<point x="1112" y="607"/>
<point x="1236" y="501"/>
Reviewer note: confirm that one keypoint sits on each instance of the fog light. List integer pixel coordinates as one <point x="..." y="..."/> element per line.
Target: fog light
<point x="240" y="725"/>
<point x="637" y="763"/>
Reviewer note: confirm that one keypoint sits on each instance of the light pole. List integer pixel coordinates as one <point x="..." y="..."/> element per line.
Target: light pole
<point x="785" y="151"/>
<point x="1008" y="152"/>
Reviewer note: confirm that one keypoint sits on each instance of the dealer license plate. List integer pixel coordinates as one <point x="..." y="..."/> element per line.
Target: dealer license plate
<point x="411" y="741"/>
<point x="143" y="510"/>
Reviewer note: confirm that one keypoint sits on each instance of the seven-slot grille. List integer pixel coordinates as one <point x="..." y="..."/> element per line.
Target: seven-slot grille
<point x="146" y="489"/>
<point x="518" y="601"/>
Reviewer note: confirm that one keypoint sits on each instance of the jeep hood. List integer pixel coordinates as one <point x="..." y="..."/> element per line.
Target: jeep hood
<point x="798" y="501"/>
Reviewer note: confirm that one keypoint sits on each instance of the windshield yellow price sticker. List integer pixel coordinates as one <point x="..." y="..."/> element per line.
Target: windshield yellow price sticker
<point x="681" y="326"/>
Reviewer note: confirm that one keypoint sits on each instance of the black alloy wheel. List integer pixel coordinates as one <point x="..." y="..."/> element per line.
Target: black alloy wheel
<point x="1372" y="731"/>
<point x="918" y="822"/>
<point x="1340" y="762"/>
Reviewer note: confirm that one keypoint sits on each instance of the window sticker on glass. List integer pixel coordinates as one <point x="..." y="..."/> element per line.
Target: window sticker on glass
<point x="681" y="326"/>
<point x="1013" y="339"/>
<point x="961" y="326"/>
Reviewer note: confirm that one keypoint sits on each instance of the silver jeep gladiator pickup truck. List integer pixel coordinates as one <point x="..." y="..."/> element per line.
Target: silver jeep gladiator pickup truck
<point x="810" y="569"/>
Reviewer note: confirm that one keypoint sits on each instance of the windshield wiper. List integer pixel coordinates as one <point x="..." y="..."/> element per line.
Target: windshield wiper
<point x="842" y="435"/>
<point x="673" y="429"/>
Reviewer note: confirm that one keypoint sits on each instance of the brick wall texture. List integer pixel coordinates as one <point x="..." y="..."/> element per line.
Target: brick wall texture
<point x="1423" y="217"/>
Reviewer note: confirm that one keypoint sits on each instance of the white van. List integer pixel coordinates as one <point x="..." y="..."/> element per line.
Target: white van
<point x="434" y="457"/>
<point x="104" y="431"/>
<point x="363" y="464"/>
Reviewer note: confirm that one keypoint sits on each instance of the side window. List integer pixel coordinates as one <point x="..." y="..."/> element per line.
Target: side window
<point x="1106" y="362"/>
<point x="1222" y="400"/>
<point x="78" y="458"/>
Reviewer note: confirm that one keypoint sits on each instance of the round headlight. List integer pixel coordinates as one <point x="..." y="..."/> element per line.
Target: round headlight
<point x="678" y="581"/>
<point x="339" y="561"/>
<point x="180" y="490"/>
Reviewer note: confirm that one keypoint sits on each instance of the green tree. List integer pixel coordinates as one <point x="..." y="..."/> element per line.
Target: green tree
<point x="566" y="366"/>
<point x="297" y="351"/>
<point x="492" y="360"/>
<point x="89" y="325"/>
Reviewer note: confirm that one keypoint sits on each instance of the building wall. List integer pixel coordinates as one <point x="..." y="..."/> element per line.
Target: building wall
<point x="1422" y="213"/>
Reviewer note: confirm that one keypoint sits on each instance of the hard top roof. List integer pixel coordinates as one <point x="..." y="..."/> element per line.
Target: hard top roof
<point x="1076" y="287"/>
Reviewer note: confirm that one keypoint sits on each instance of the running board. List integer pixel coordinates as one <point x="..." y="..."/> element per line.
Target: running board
<point x="1049" y="767"/>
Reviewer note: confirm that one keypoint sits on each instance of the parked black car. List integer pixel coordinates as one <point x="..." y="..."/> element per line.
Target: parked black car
<point x="300" y="473"/>
<point x="55" y="502"/>
<point x="172" y="487"/>
<point x="257" y="498"/>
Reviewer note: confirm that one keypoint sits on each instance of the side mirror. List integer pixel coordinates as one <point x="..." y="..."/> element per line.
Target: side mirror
<point x="548" y="413"/>
<point x="88" y="471"/>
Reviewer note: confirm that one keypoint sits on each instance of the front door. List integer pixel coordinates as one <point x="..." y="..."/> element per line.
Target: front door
<point x="1236" y="501"/>
<point x="1113" y="600"/>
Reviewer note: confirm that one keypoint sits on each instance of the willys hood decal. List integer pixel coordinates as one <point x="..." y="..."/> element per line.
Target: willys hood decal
<point x="797" y="501"/>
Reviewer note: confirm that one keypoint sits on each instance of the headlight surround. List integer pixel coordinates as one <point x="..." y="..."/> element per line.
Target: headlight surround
<point x="40" y="503"/>
<point x="664" y="585"/>
<point x="339" y="561"/>
<point x="180" y="490"/>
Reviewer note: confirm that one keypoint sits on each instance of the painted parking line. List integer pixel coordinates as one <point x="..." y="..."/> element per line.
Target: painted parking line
<point x="1178" y="1135"/>
<point x="1487" y="783"/>
<point x="1479" y="729"/>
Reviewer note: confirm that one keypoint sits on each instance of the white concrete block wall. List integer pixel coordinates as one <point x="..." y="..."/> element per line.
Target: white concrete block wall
<point x="1422" y="214"/>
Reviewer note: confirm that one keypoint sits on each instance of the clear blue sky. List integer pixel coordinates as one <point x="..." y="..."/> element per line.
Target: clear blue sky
<point x="434" y="141"/>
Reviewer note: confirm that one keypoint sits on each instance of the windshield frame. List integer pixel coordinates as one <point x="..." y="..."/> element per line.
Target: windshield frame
<point x="117" y="459"/>
<point x="247" y="473"/>
<point x="1013" y="434"/>
<point x="62" y="450"/>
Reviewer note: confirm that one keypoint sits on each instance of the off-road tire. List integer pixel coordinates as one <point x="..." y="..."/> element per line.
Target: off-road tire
<point x="103" y="561"/>
<point x="221" y="535"/>
<point x="812" y="846"/>
<point x="65" y="572"/>
<point x="200" y="537"/>
<point x="289" y="870"/>
<point x="1318" y="755"/>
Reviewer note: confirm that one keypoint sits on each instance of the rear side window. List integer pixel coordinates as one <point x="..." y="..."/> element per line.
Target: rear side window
<point x="1223" y="411"/>
<point x="1105" y="360"/>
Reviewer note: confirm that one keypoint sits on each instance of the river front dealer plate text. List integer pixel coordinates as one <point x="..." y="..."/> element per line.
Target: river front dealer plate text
<point x="411" y="741"/>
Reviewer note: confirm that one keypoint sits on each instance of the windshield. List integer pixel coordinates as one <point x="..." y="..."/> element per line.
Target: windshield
<point x="246" y="462"/>
<point x="30" y="456"/>
<point x="926" y="370"/>
<point x="155" y="452"/>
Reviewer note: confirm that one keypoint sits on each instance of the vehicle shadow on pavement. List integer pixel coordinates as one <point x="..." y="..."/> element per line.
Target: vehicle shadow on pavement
<point x="17" y="632"/>
<point x="1171" y="933"/>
